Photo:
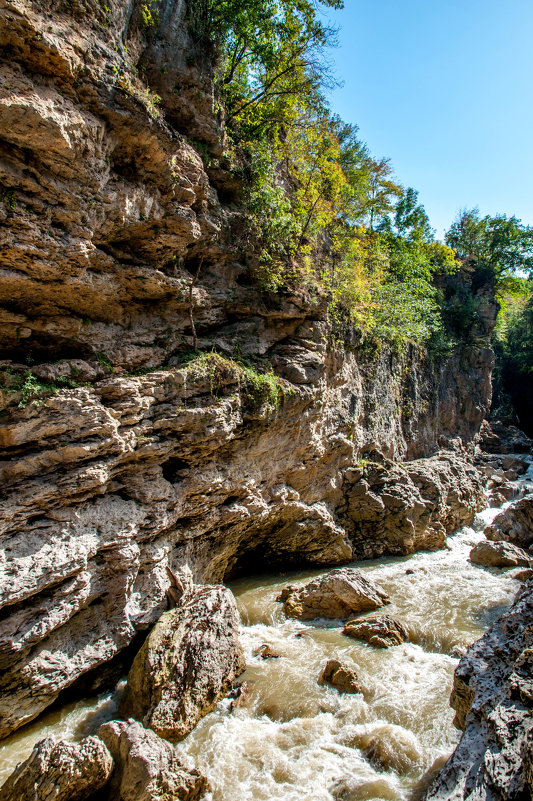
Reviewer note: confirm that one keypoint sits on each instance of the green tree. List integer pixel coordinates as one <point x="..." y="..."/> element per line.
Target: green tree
<point x="497" y="246"/>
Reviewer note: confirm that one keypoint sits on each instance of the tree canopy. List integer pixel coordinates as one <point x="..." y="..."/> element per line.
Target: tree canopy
<point x="320" y="209"/>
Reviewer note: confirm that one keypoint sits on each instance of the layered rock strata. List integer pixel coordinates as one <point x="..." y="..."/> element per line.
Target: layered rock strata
<point x="493" y="697"/>
<point x="123" y="247"/>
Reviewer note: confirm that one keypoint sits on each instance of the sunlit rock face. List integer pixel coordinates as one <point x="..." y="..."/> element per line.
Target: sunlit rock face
<point x="492" y="697"/>
<point x="117" y="460"/>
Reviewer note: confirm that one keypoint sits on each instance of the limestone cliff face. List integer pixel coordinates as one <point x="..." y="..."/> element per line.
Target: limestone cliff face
<point x="117" y="242"/>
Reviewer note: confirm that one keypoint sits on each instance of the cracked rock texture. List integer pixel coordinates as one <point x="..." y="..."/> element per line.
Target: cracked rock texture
<point x="337" y="594"/>
<point x="117" y="460"/>
<point x="493" y="697"/>
<point x="382" y="631"/>
<point x="187" y="664"/>
<point x="499" y="554"/>
<point x="147" y="768"/>
<point x="60" y="772"/>
<point x="514" y="524"/>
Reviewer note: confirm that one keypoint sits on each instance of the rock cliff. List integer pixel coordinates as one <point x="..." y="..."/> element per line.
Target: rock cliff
<point x="492" y="696"/>
<point x="121" y="252"/>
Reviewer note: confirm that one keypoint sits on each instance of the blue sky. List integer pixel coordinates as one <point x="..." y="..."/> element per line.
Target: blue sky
<point x="444" y="90"/>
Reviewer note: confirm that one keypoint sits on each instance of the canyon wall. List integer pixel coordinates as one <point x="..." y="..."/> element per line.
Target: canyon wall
<point x="124" y="454"/>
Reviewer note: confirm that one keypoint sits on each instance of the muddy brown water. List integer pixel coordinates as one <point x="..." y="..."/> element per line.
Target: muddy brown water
<point x="294" y="740"/>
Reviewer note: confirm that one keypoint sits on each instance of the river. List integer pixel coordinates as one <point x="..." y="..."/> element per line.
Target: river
<point x="295" y="740"/>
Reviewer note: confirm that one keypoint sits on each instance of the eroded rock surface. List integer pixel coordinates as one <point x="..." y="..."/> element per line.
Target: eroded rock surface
<point x="514" y="524"/>
<point x="493" y="697"/>
<point x="340" y="676"/>
<point x="499" y="554"/>
<point x="147" y="768"/>
<point x="402" y="508"/>
<point x="187" y="664"/>
<point x="337" y="594"/>
<point x="382" y="631"/>
<point x="60" y="772"/>
<point x="501" y="439"/>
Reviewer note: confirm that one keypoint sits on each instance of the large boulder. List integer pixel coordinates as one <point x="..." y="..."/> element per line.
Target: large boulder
<point x="60" y="772"/>
<point x="187" y="664"/>
<point x="381" y="632"/>
<point x="498" y="554"/>
<point x="337" y="594"/>
<point x="340" y="676"/>
<point x="148" y="768"/>
<point x="493" y="700"/>
<point x="514" y="524"/>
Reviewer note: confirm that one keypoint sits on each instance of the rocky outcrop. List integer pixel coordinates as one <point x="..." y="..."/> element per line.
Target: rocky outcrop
<point x="381" y="631"/>
<point x="340" y="676"/>
<point x="493" y="696"/>
<point x="498" y="554"/>
<point x="337" y="594"/>
<point x="514" y="524"/>
<point x="400" y="508"/>
<point x="187" y="664"/>
<point x="499" y="438"/>
<point x="122" y="248"/>
<point x="147" y="768"/>
<point x="60" y="771"/>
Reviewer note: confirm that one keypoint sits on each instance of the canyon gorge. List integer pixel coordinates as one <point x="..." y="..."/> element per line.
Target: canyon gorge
<point x="161" y="410"/>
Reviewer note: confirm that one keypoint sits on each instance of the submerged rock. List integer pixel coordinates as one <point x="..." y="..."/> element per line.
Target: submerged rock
<point x="493" y="699"/>
<point x="148" y="768"/>
<point x="337" y="594"/>
<point x="60" y="772"/>
<point x="387" y="746"/>
<point x="186" y="665"/>
<point x="498" y="554"/>
<point x="381" y="632"/>
<point x="514" y="524"/>
<point x="343" y="678"/>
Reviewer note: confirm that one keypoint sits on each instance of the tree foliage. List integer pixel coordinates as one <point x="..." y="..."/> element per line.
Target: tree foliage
<point x="498" y="246"/>
<point x="320" y="208"/>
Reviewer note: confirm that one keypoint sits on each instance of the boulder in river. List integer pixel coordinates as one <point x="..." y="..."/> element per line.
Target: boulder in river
<point x="148" y="768"/>
<point x="493" y="700"/>
<point x="499" y="554"/>
<point x="512" y="462"/>
<point x="340" y="676"/>
<point x="337" y="594"/>
<point x="265" y="652"/>
<point x="60" y="771"/>
<point x="187" y="664"/>
<point x="514" y="524"/>
<point x="381" y="632"/>
<point x="522" y="575"/>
